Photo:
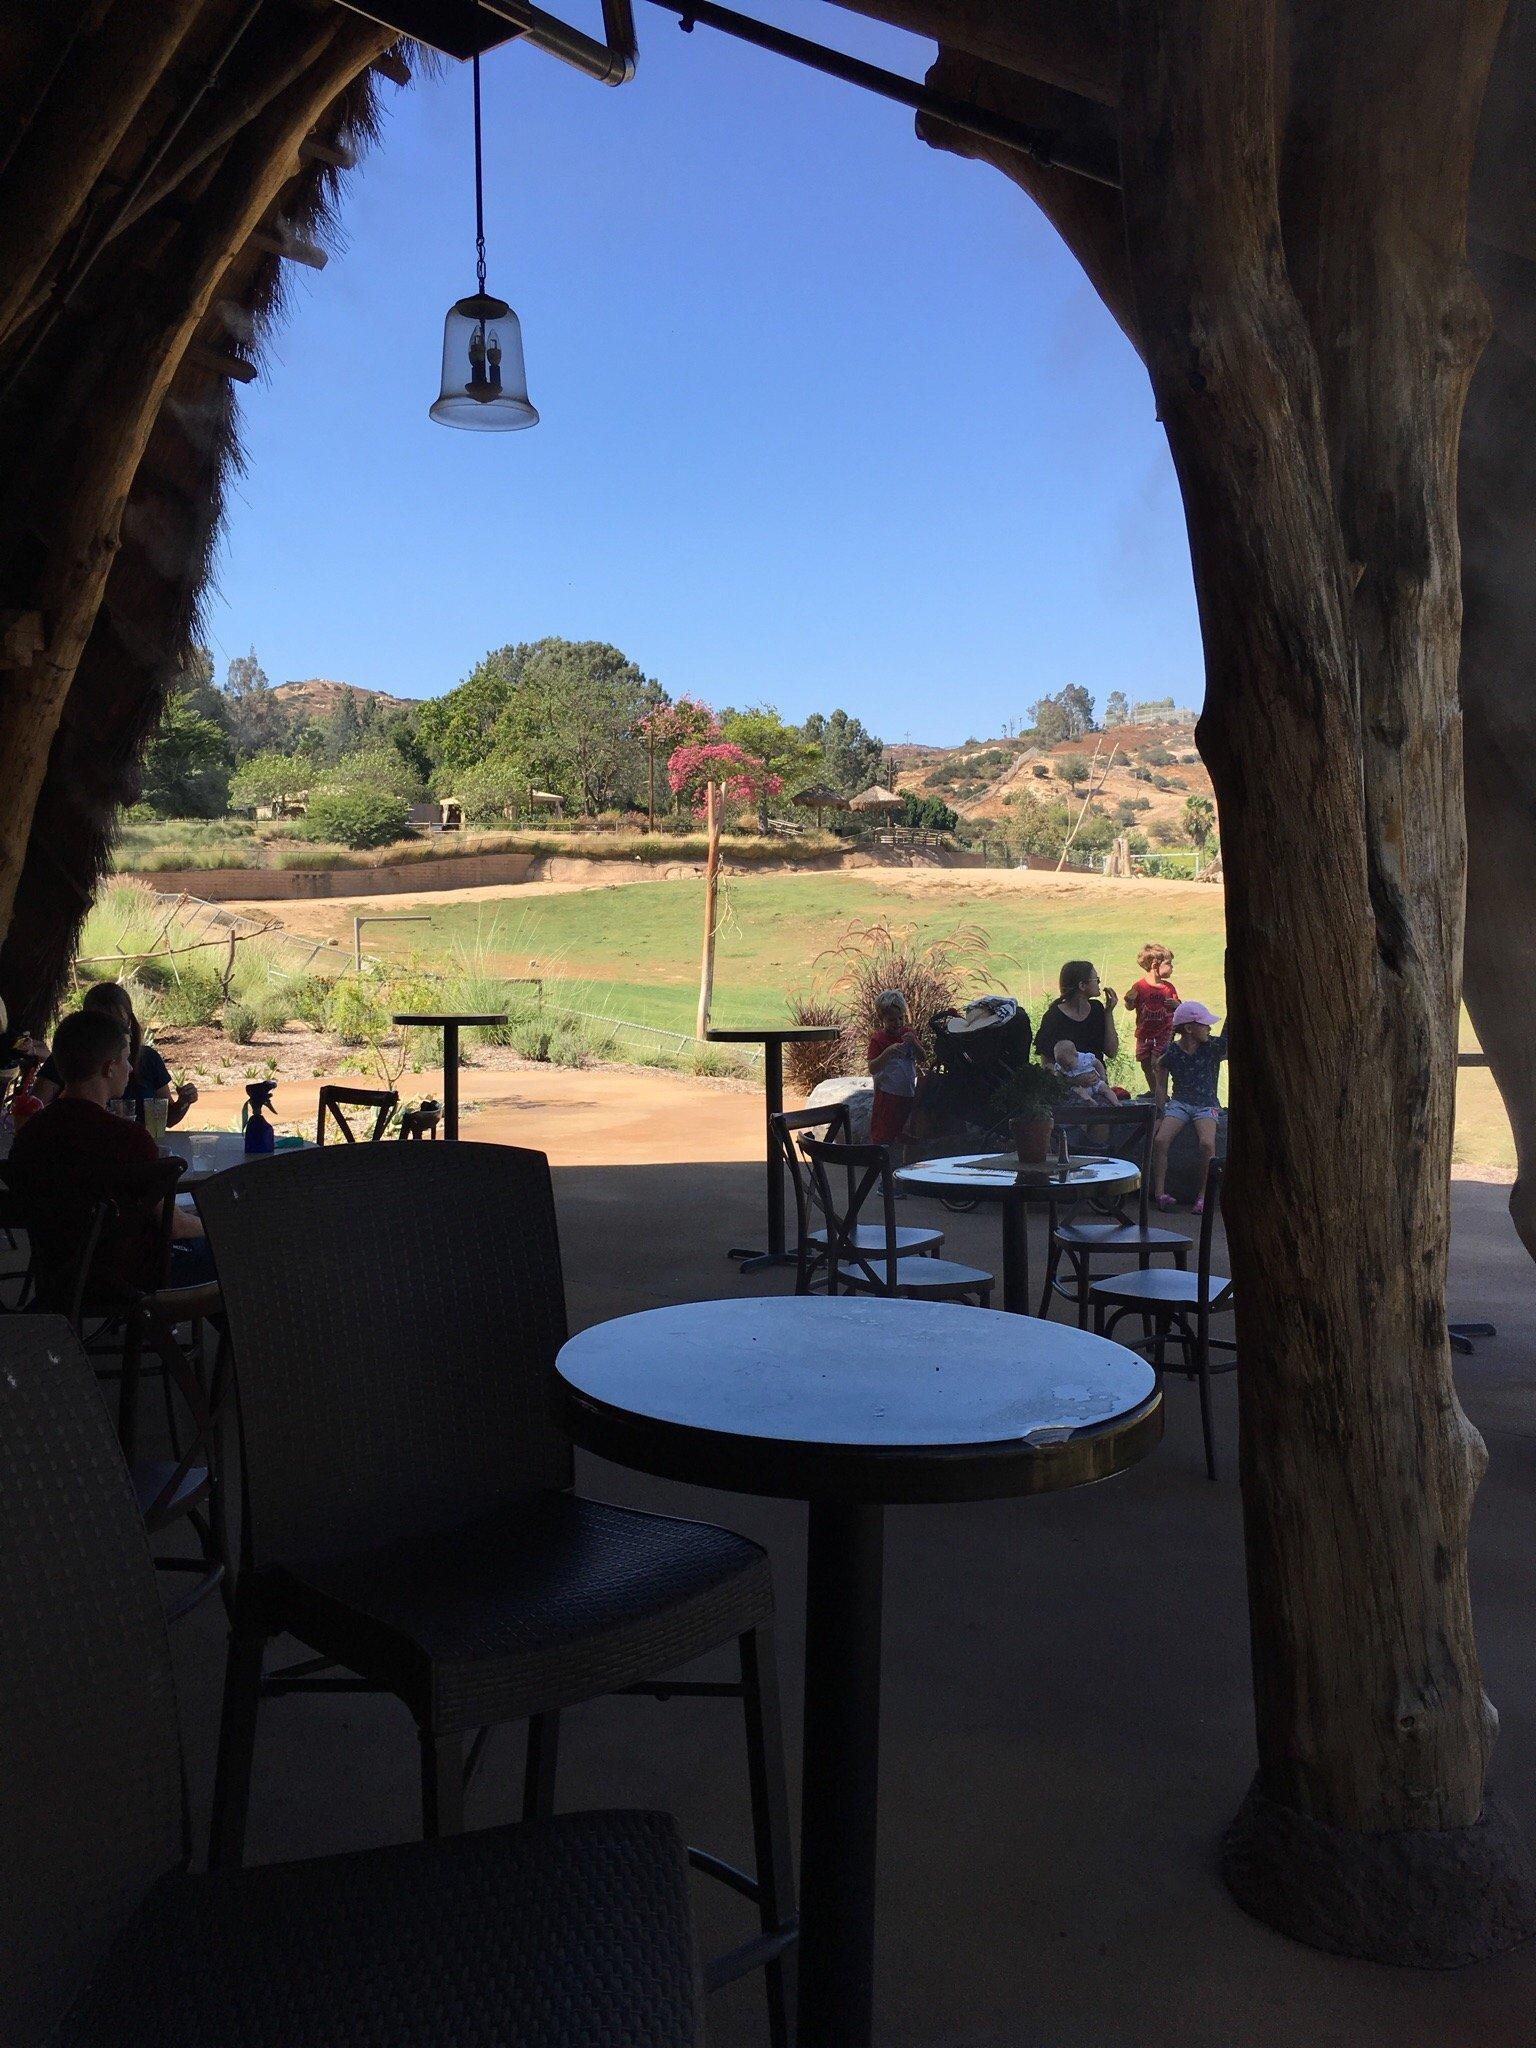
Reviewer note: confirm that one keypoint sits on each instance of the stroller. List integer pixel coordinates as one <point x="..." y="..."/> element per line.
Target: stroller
<point x="974" y="1051"/>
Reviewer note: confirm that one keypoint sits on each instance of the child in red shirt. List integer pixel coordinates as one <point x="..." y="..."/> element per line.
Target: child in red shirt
<point x="1153" y="999"/>
<point x="894" y="1054"/>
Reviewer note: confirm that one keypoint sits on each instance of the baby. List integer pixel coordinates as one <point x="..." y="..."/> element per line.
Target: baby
<point x="1083" y="1074"/>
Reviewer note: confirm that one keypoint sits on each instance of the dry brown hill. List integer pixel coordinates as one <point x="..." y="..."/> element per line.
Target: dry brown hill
<point x="317" y="698"/>
<point x="1154" y="766"/>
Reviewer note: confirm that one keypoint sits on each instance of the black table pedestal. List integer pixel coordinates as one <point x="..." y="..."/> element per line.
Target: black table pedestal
<point x="1016" y="1252"/>
<point x="773" y="1098"/>
<point x="839" y="1799"/>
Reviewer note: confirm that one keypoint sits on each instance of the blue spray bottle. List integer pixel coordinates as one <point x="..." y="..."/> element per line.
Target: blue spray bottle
<point x="260" y="1136"/>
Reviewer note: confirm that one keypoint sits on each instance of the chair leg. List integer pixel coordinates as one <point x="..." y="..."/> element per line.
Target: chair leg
<point x="1081" y="1268"/>
<point x="770" y="1821"/>
<point x="442" y="1784"/>
<point x="237" y="1745"/>
<point x="1207" y="1425"/>
<point x="1053" y="1261"/>
<point x="543" y="1759"/>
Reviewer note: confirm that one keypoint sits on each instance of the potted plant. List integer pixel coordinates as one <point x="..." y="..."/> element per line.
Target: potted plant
<point x="1026" y="1102"/>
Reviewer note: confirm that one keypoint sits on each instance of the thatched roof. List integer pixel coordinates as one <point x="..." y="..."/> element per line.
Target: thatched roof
<point x="820" y="797"/>
<point x="876" y="798"/>
<point x="150" y="612"/>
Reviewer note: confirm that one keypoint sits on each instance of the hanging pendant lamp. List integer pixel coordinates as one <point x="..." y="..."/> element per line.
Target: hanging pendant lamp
<point x="485" y="386"/>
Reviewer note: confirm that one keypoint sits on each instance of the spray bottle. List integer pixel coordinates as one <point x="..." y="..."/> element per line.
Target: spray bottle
<point x="260" y="1136"/>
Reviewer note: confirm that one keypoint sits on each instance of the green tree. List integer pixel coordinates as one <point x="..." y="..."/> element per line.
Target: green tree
<point x="1050" y="722"/>
<point x="253" y="716"/>
<point x="782" y="749"/>
<point x="342" y="729"/>
<point x="851" y="756"/>
<point x="358" y="816"/>
<point x="185" y="772"/>
<point x="268" y="778"/>
<point x="574" y="717"/>
<point x="371" y="768"/>
<point x="492" y="790"/>
<point x="1036" y="825"/>
<point x="1073" y="770"/>
<point x="1078" y="706"/>
<point x="458" y="728"/>
<point x="1199" y="819"/>
<point x="1116" y="710"/>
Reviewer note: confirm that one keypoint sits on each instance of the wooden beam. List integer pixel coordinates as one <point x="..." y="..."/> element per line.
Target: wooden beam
<point x="277" y="238"/>
<point x="1074" y="44"/>
<point x="314" y="150"/>
<point x="21" y="638"/>
<point x="202" y="357"/>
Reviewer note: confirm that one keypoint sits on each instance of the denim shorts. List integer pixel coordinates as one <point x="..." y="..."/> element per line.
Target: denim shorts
<point x="1192" y="1112"/>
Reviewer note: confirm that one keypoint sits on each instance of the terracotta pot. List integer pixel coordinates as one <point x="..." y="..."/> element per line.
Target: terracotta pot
<point x="1032" y="1138"/>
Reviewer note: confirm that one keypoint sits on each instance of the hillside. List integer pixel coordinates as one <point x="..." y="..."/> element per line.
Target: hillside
<point x="1153" y="767"/>
<point x="316" y="699"/>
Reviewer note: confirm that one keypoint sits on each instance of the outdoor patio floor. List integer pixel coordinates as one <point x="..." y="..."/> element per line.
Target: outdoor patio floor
<point x="1067" y="1712"/>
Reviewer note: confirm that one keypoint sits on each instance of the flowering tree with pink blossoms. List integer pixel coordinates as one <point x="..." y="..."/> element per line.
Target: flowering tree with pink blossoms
<point x="740" y="777"/>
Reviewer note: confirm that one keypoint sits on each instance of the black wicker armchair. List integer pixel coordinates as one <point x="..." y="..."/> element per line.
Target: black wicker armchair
<point x="572" y="1933"/>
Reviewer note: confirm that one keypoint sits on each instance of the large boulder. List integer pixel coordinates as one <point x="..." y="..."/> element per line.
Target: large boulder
<point x="858" y="1091"/>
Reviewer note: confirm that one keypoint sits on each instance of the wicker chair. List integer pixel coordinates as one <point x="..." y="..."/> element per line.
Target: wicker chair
<point x="336" y="1100"/>
<point x="395" y="1313"/>
<point x="570" y="1932"/>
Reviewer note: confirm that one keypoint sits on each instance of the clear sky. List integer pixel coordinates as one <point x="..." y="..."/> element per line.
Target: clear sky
<point x="829" y="417"/>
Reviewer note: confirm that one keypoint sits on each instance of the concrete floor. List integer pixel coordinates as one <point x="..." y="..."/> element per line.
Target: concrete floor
<point x="1067" y="1713"/>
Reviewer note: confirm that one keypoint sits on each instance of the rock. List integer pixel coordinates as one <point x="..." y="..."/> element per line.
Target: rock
<point x="858" y="1091"/>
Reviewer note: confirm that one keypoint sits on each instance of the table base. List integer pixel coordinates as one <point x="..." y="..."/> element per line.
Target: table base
<point x="840" y="1791"/>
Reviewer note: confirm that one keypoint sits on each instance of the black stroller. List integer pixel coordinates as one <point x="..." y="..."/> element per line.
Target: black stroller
<point x="975" y="1050"/>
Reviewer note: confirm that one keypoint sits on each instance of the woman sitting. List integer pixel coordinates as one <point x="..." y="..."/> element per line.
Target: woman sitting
<point x="149" y="1078"/>
<point x="1083" y="1013"/>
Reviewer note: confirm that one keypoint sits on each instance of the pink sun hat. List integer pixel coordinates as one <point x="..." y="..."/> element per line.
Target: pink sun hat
<point x="1194" y="1013"/>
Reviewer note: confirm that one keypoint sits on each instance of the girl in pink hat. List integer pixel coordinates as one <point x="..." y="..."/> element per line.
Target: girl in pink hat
<point x="1192" y="1064"/>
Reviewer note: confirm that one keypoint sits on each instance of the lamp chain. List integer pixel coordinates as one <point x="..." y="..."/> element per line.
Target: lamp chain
<point x="479" y="199"/>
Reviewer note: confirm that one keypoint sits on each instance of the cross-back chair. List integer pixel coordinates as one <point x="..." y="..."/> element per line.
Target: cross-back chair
<point x="866" y="1257"/>
<point x="1080" y="1237"/>
<point x="336" y="1100"/>
<point x="832" y="1125"/>
<point x="1178" y="1306"/>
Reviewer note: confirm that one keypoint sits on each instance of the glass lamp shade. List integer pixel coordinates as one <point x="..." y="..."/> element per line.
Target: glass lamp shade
<point x="485" y="386"/>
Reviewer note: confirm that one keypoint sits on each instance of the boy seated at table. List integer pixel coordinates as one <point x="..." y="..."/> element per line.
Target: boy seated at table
<point x="76" y="1145"/>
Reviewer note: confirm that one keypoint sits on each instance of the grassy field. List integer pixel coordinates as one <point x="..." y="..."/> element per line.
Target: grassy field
<point x="632" y="953"/>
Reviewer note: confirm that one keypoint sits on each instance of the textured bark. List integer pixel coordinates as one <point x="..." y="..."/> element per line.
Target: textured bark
<point x="61" y="513"/>
<point x="1315" y="433"/>
<point x="1069" y="43"/>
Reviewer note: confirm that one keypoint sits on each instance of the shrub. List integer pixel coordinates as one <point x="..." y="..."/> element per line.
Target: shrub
<point x="239" y="1022"/>
<point x="354" y="1012"/>
<point x="808" y="1064"/>
<point x="193" y="996"/>
<point x="357" y="817"/>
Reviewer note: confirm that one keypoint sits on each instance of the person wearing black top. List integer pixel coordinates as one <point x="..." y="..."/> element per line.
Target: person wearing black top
<point x="1083" y="1012"/>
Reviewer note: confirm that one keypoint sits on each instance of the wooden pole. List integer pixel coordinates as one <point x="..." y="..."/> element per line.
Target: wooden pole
<point x="650" y="794"/>
<point x="711" y="886"/>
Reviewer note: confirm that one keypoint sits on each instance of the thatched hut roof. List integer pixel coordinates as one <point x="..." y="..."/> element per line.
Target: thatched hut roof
<point x="821" y="796"/>
<point x="876" y="798"/>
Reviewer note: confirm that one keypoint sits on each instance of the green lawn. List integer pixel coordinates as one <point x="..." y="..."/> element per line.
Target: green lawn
<point x="632" y="953"/>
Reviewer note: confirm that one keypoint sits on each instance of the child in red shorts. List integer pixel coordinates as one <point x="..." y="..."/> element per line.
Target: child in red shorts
<point x="1153" y="1000"/>
<point x="894" y="1054"/>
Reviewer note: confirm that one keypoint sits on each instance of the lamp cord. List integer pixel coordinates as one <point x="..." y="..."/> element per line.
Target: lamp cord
<point x="479" y="199"/>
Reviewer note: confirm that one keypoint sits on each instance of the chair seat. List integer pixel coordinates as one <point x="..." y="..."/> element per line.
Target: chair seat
<point x="1119" y="1237"/>
<point x="922" y="1276"/>
<point x="555" y="1934"/>
<point x="152" y="1475"/>
<point x="550" y="1600"/>
<point x="1161" y="1287"/>
<point x="870" y="1237"/>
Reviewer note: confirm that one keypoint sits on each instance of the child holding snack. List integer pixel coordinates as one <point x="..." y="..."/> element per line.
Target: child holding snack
<point x="894" y="1054"/>
<point x="1153" y="1000"/>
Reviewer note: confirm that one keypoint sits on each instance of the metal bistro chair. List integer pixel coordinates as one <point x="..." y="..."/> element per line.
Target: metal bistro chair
<point x="1179" y="1306"/>
<point x="833" y="1126"/>
<point x="335" y="1101"/>
<point x="881" y="1268"/>
<point x="65" y="1228"/>
<point x="395" y="1315"/>
<point x="555" y="1936"/>
<point x="1081" y="1239"/>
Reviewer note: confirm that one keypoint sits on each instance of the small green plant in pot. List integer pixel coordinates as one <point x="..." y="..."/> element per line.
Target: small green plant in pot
<point x="1027" y="1103"/>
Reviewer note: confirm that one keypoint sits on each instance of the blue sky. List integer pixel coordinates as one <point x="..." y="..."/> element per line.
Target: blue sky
<point x="829" y="417"/>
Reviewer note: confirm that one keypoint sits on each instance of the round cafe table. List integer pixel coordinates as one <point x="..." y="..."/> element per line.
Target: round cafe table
<point x="773" y="1038"/>
<point x="850" y="1403"/>
<point x="998" y="1177"/>
<point x="449" y="1025"/>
